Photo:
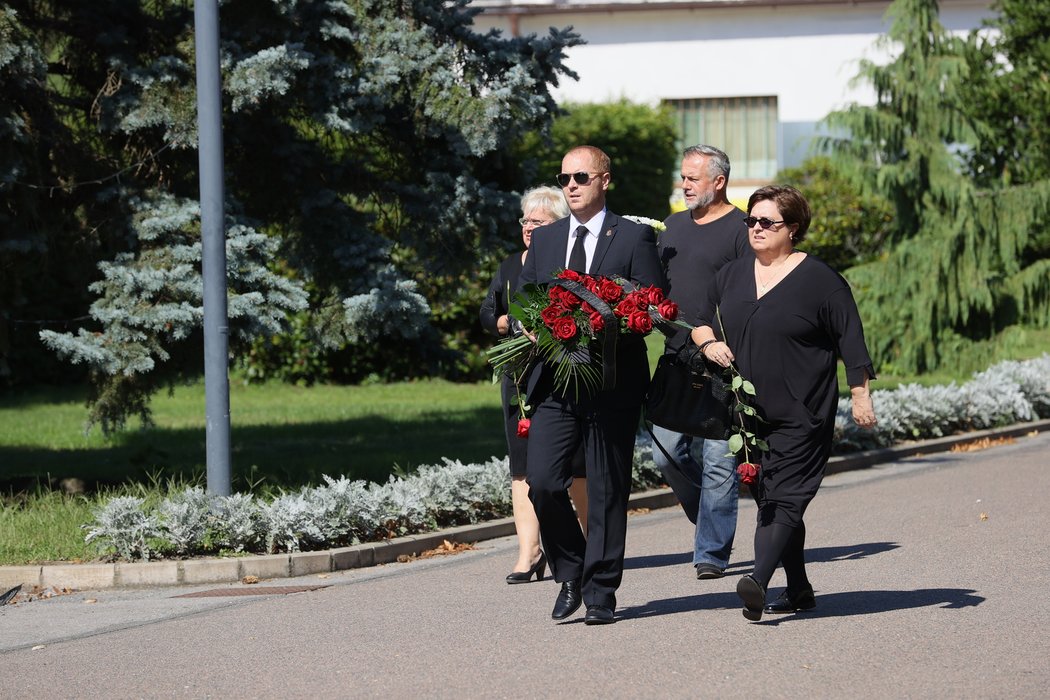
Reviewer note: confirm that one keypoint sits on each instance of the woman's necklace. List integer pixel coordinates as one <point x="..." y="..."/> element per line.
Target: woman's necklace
<point x="763" y="285"/>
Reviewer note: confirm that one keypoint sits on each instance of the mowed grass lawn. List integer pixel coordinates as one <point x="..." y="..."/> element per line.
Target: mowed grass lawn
<point x="281" y="435"/>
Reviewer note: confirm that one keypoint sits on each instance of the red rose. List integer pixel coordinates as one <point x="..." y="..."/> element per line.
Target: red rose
<point x="639" y="299"/>
<point x="625" y="308"/>
<point x="570" y="275"/>
<point x="597" y="322"/>
<point x="609" y="291"/>
<point x="587" y="308"/>
<point x="551" y="314"/>
<point x="653" y="295"/>
<point x="590" y="283"/>
<point x="639" y="322"/>
<point x="748" y="472"/>
<point x="560" y="296"/>
<point x="564" y="328"/>
<point x="523" y="427"/>
<point x="668" y="309"/>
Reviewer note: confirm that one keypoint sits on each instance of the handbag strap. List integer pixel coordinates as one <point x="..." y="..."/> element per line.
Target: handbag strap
<point x="649" y="429"/>
<point x="674" y="462"/>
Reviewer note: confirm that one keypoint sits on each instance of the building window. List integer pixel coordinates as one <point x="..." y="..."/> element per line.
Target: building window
<point x="744" y="127"/>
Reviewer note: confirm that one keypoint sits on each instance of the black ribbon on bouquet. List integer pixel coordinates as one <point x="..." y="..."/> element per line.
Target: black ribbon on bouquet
<point x="609" y="332"/>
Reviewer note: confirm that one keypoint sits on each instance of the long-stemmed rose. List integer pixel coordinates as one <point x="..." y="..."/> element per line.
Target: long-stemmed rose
<point x="748" y="472"/>
<point x="741" y="437"/>
<point x="523" y="427"/>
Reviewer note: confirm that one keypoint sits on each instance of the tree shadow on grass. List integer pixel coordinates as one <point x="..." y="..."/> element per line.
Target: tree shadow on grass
<point x="828" y="605"/>
<point x="289" y="455"/>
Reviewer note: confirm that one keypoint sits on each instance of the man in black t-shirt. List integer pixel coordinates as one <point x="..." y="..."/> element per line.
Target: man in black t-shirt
<point x="697" y="242"/>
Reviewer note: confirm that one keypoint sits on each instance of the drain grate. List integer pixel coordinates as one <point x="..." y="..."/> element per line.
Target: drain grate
<point x="254" y="590"/>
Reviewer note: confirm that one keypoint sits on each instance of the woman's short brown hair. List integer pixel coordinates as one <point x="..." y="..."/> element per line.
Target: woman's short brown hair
<point x="792" y="205"/>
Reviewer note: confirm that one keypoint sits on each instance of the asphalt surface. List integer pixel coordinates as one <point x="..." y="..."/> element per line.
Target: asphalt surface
<point x="930" y="574"/>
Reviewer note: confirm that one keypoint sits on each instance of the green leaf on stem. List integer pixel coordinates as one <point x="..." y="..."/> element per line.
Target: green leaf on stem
<point x="736" y="443"/>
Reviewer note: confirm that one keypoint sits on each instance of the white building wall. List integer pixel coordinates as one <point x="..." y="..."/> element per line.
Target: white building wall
<point x="805" y="55"/>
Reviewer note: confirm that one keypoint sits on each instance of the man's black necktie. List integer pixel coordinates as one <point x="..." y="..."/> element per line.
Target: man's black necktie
<point x="578" y="256"/>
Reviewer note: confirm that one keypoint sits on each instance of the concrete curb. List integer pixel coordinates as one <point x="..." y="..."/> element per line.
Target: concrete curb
<point x="227" y="570"/>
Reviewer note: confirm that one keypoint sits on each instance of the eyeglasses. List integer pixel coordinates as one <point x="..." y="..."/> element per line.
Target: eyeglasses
<point x="532" y="222"/>
<point x="764" y="221"/>
<point x="581" y="178"/>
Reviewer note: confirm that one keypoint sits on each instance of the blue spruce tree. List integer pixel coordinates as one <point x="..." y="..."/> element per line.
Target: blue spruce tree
<point x="367" y="154"/>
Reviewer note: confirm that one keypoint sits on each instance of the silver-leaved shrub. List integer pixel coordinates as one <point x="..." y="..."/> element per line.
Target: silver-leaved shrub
<point x="289" y="521"/>
<point x="1031" y="376"/>
<point x="457" y="494"/>
<point x="124" y="526"/>
<point x="184" y="517"/>
<point x="344" y="511"/>
<point x="234" y="522"/>
<point x="401" y="506"/>
<point x="1008" y="392"/>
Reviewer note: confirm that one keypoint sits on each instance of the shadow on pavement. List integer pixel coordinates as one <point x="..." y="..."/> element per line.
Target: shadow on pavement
<point x="855" y="551"/>
<point x="817" y="554"/>
<point x="688" y="603"/>
<point x="653" y="561"/>
<point x="872" y="602"/>
<point x="828" y="605"/>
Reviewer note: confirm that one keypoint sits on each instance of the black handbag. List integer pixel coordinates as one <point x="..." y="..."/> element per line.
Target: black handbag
<point x="689" y="397"/>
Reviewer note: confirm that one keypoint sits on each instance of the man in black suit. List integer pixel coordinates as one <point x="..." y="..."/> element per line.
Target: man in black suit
<point x="595" y="241"/>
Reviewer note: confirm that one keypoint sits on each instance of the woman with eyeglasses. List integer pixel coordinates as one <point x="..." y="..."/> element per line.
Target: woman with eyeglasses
<point x="784" y="318"/>
<point x="539" y="206"/>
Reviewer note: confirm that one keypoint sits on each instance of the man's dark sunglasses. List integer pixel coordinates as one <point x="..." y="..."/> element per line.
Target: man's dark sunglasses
<point x="581" y="178"/>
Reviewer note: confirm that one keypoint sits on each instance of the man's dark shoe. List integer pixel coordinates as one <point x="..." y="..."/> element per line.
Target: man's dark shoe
<point x="788" y="602"/>
<point x="705" y="570"/>
<point x="569" y="600"/>
<point x="753" y="595"/>
<point x="599" y="615"/>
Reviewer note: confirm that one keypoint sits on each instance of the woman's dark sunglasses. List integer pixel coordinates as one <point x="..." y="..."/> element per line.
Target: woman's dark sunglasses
<point x="581" y="178"/>
<point x="764" y="222"/>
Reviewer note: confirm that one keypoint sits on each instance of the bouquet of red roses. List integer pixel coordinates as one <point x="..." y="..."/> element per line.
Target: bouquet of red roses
<point x="576" y="321"/>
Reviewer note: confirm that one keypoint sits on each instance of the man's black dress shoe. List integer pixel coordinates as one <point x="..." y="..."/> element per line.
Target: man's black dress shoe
<point x="753" y="595"/>
<point x="599" y="615"/>
<point x="569" y="600"/>
<point x="788" y="602"/>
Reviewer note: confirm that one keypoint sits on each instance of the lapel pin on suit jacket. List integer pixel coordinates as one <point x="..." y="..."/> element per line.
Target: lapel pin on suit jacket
<point x="609" y="232"/>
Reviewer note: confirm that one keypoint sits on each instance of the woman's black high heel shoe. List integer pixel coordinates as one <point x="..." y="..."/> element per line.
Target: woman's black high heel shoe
<point x="525" y="576"/>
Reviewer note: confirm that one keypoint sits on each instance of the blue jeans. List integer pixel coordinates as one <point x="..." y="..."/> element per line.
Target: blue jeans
<point x="708" y="493"/>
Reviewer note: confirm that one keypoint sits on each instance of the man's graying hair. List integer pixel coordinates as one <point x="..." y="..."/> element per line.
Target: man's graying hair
<point x="717" y="160"/>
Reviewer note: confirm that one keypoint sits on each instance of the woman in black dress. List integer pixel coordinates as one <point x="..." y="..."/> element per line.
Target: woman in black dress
<point x="539" y="206"/>
<point x="787" y="318"/>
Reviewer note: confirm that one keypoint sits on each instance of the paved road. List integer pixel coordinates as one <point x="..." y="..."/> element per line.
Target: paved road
<point x="931" y="577"/>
